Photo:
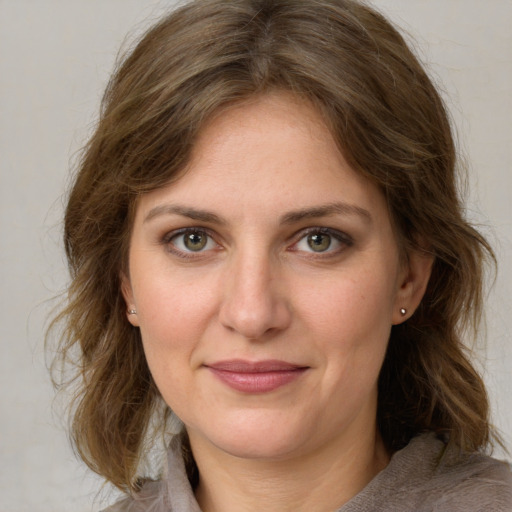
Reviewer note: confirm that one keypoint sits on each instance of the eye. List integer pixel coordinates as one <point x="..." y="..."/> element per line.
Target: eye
<point x="322" y="241"/>
<point x="191" y="240"/>
<point x="319" y="242"/>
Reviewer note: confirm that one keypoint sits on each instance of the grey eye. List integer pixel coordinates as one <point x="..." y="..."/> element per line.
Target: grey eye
<point x="192" y="241"/>
<point x="319" y="242"/>
<point x="322" y="240"/>
<point x="195" y="241"/>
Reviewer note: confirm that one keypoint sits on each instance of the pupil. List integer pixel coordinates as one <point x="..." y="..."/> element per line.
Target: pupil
<point x="319" y="242"/>
<point x="195" y="241"/>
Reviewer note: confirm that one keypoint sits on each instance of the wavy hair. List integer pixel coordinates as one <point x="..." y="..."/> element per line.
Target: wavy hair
<point x="391" y="125"/>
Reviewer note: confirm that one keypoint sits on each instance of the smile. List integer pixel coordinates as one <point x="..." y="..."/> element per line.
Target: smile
<point x="256" y="377"/>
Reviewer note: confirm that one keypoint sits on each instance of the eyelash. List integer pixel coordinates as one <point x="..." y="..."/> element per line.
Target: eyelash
<point x="343" y="239"/>
<point x="171" y="247"/>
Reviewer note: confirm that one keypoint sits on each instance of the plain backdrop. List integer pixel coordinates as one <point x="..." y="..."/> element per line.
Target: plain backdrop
<point x="55" y="58"/>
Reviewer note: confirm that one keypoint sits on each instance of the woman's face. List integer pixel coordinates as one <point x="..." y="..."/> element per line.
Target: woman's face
<point x="266" y="281"/>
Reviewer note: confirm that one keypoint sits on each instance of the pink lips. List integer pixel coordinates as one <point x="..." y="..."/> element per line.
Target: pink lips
<point x="256" y="377"/>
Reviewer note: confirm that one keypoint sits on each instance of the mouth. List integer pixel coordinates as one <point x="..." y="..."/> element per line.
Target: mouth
<point x="256" y="376"/>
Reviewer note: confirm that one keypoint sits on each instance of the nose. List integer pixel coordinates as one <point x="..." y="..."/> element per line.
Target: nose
<point x="254" y="304"/>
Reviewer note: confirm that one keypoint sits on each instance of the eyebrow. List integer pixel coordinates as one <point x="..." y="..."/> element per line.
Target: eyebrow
<point x="326" y="211"/>
<point x="184" y="211"/>
<point x="292" y="217"/>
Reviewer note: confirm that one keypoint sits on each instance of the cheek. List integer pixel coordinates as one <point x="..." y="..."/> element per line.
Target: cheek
<point x="351" y="320"/>
<point x="351" y="304"/>
<point x="169" y="326"/>
<point x="167" y="299"/>
<point x="173" y="312"/>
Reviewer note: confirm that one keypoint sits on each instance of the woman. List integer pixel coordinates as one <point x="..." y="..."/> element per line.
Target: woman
<point x="265" y="238"/>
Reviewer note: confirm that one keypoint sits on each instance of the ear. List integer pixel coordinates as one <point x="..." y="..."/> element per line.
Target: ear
<point x="126" y="290"/>
<point x="413" y="282"/>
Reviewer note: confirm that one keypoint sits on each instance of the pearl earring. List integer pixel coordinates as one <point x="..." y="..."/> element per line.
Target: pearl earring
<point x="403" y="311"/>
<point x="132" y="312"/>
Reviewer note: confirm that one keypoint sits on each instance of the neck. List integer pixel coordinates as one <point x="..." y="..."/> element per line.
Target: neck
<point x="322" y="480"/>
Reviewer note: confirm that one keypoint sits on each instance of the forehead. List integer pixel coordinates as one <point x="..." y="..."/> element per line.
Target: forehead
<point x="273" y="150"/>
<point x="265" y="126"/>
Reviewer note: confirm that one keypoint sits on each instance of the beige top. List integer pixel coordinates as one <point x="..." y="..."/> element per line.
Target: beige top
<point x="423" y="477"/>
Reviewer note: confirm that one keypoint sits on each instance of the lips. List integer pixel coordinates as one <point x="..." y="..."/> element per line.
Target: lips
<point x="256" y="376"/>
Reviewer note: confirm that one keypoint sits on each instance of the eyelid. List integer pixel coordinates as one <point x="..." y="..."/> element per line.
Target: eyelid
<point x="169" y="236"/>
<point x="338" y="235"/>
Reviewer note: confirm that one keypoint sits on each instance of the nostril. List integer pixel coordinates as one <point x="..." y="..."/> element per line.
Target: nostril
<point x="256" y="321"/>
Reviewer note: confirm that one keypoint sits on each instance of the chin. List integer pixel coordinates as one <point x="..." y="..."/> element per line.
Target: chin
<point x="255" y="438"/>
<point x="258" y="447"/>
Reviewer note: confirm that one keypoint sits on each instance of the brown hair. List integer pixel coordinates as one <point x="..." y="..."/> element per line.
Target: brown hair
<point x="390" y="124"/>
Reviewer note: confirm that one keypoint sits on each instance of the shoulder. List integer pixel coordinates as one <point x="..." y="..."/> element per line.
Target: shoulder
<point x="172" y="493"/>
<point x="473" y="482"/>
<point x="429" y="476"/>
<point x="446" y="479"/>
<point x="150" y="499"/>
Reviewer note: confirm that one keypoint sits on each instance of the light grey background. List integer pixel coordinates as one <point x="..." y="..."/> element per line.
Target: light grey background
<point x="55" y="57"/>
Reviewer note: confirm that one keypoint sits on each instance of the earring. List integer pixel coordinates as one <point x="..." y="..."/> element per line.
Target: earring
<point x="132" y="312"/>
<point x="403" y="311"/>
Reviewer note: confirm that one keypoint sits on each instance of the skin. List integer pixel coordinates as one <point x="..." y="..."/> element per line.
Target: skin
<point x="258" y="290"/>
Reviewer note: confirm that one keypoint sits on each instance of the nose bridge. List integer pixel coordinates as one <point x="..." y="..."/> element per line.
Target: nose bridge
<point x="253" y="303"/>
